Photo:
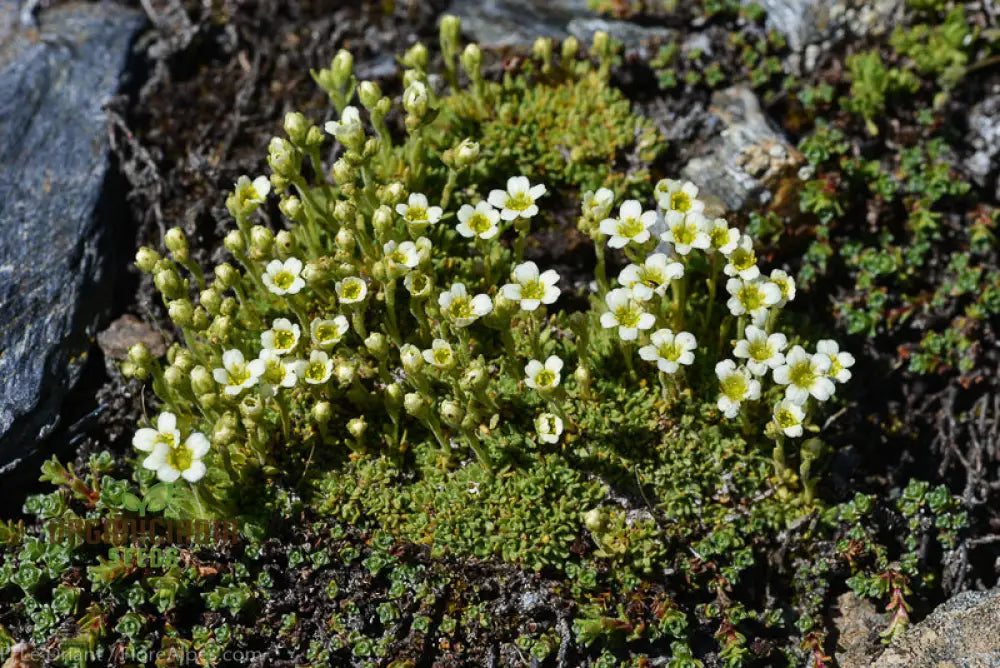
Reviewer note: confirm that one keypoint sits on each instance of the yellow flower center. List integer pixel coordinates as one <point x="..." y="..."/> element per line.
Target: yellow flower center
<point x="785" y="418"/>
<point x="416" y="213"/>
<point x="519" y="201"/>
<point x="479" y="223"/>
<point x="628" y="316"/>
<point x="533" y="289"/>
<point x="166" y="439"/>
<point x="734" y="386"/>
<point x="284" y="339"/>
<point x="743" y="259"/>
<point x="545" y="378"/>
<point x="238" y="375"/>
<point x="419" y="284"/>
<point x="685" y="234"/>
<point x="284" y="279"/>
<point x="630" y="227"/>
<point x="719" y="236"/>
<point x="759" y="350"/>
<point x="801" y="374"/>
<point x="352" y="290"/>
<point x="670" y="351"/>
<point x="783" y="285"/>
<point x="442" y="356"/>
<point x="752" y="297"/>
<point x="316" y="371"/>
<point x="679" y="201"/>
<point x="460" y="308"/>
<point x="327" y="334"/>
<point x="180" y="459"/>
<point x="835" y="366"/>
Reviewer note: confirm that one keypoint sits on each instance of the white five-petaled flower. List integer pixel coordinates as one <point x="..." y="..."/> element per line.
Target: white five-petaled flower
<point x="283" y="278"/>
<point x="840" y="362"/>
<point x="348" y="129"/>
<point x="786" y="283"/>
<point x="736" y="385"/>
<point x="753" y="297"/>
<point x="597" y="205"/>
<point x="518" y="201"/>
<point x="531" y="288"/>
<point x="545" y="376"/>
<point x="685" y="231"/>
<point x="760" y="350"/>
<point x="328" y="333"/>
<point x="652" y="276"/>
<point x="479" y="221"/>
<point x="351" y="290"/>
<point x="461" y="309"/>
<point x="669" y="350"/>
<point x="805" y="375"/>
<point x="180" y="461"/>
<point x="252" y="193"/>
<point x="401" y="257"/>
<point x="549" y="427"/>
<point x="789" y="416"/>
<point x="743" y="260"/>
<point x="440" y="354"/>
<point x="166" y="431"/>
<point x="680" y="196"/>
<point x="632" y="224"/>
<point x="418" y="211"/>
<point x="282" y="337"/>
<point x="236" y="375"/>
<point x="721" y="237"/>
<point x="318" y="369"/>
<point x="625" y="313"/>
<point x="276" y="371"/>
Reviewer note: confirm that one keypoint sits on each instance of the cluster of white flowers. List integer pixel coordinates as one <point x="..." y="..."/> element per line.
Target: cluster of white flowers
<point x="168" y="455"/>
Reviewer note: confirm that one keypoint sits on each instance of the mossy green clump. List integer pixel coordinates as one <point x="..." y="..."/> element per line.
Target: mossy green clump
<point x="873" y="85"/>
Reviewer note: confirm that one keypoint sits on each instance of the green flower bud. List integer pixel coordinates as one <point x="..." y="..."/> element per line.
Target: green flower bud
<point x="181" y="311"/>
<point x="221" y="327"/>
<point x="225" y="430"/>
<point x="601" y="44"/>
<point x="472" y="60"/>
<point x="202" y="381"/>
<point x="344" y="211"/>
<point x="391" y="194"/>
<point x="209" y="400"/>
<point x="200" y="320"/>
<point x="284" y="242"/>
<point x="451" y="26"/>
<point x="322" y="412"/>
<point x="467" y="153"/>
<point x="570" y="47"/>
<point x="183" y="359"/>
<point x="174" y="377"/>
<point x="343" y="171"/>
<point x="412" y="359"/>
<point x="261" y="240"/>
<point x="315" y="136"/>
<point x="369" y="93"/>
<point x="582" y="375"/>
<point x="345" y="240"/>
<point x="416" y="99"/>
<point x="128" y="369"/>
<point x="416" y="57"/>
<point x="452" y="413"/>
<point x="235" y="243"/>
<point x="139" y="355"/>
<point x="146" y="259"/>
<point x="394" y="396"/>
<point x="416" y="404"/>
<point x="296" y="127"/>
<point x="377" y="345"/>
<point x="211" y="299"/>
<point x="291" y="207"/>
<point x="357" y="427"/>
<point x="542" y="49"/>
<point x="383" y="107"/>
<point x="169" y="283"/>
<point x="342" y="68"/>
<point x="345" y="371"/>
<point x="176" y="243"/>
<point x="251" y="408"/>
<point x="594" y="520"/>
<point x="229" y="306"/>
<point x="283" y="157"/>
<point x="475" y="377"/>
<point x="226" y="275"/>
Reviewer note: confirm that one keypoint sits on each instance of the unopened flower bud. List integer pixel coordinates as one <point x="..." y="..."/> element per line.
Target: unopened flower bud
<point x="570" y="46"/>
<point x="369" y="93"/>
<point x="283" y="157"/>
<point x="416" y="57"/>
<point x="226" y="275"/>
<point x="225" y="430"/>
<point x="601" y="44"/>
<point x="467" y="153"/>
<point x="472" y="60"/>
<point x="343" y="171"/>
<point x="377" y="345"/>
<point x="176" y="243"/>
<point x="139" y="355"/>
<point x="174" y="377"/>
<point x="235" y="243"/>
<point x="357" y="427"/>
<point x="146" y="259"/>
<point x="291" y="206"/>
<point x="169" y="283"/>
<point x="261" y="240"/>
<point x="202" y="381"/>
<point x="284" y="243"/>
<point x="181" y="312"/>
<point x="542" y="49"/>
<point x="594" y="520"/>
<point x="416" y="404"/>
<point x="344" y="210"/>
<point x="412" y="359"/>
<point x="315" y="136"/>
<point x="200" y="320"/>
<point x="452" y="413"/>
<point x="394" y="396"/>
<point x="251" y="408"/>
<point x="383" y="107"/>
<point x="345" y="240"/>
<point x="582" y="375"/>
<point x="229" y="306"/>
<point x="322" y="412"/>
<point x="342" y="68"/>
<point x="474" y="378"/>
<point x="391" y="194"/>
<point x="183" y="359"/>
<point x="211" y="300"/>
<point x="296" y="127"/>
<point x="221" y="327"/>
<point x="451" y="26"/>
<point x="416" y="100"/>
<point x="345" y="371"/>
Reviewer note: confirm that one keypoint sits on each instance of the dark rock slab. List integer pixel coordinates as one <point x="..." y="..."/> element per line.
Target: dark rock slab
<point x="498" y="23"/>
<point x="56" y="237"/>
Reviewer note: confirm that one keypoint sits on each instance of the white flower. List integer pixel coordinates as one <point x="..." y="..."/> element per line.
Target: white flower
<point x="460" y="308"/>
<point x="235" y="374"/>
<point x="788" y="416"/>
<point x="401" y="257"/>
<point x="180" y="461"/>
<point x="805" y="375"/>
<point x="424" y="247"/>
<point x="840" y="362"/>
<point x="786" y="283"/>
<point x="737" y="385"/>
<point x="762" y="352"/>
<point x="721" y="237"/>
<point x="328" y="333"/>
<point x="685" y="231"/>
<point x="417" y="210"/>
<point x="418" y="284"/>
<point x="282" y="278"/>
<point x="753" y="297"/>
<point x="669" y="350"/>
<point x="351" y="290"/>
<point x="276" y="371"/>
<point x="518" y="201"/>
<point x="251" y="194"/>
<point x="597" y="205"/>
<point x="348" y="130"/>
<point x="440" y="354"/>
<point x="549" y="427"/>
<point x="166" y="432"/>
<point x="479" y="221"/>
<point x="652" y="276"/>
<point x="678" y="196"/>
<point x="532" y="288"/>
<point x="282" y="337"/>
<point x="632" y="224"/>
<point x="625" y="313"/>
<point x="743" y="260"/>
<point x="318" y="369"/>
<point x="543" y="377"/>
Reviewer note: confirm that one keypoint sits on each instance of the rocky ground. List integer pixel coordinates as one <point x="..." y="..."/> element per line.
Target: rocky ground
<point x="119" y="121"/>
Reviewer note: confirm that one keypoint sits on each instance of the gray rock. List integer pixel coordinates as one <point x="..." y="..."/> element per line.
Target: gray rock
<point x="54" y="245"/>
<point x="984" y="138"/>
<point x="858" y="624"/>
<point x="801" y="22"/>
<point x="748" y="159"/>
<point x="499" y="23"/>
<point x="638" y="40"/>
<point x="964" y="631"/>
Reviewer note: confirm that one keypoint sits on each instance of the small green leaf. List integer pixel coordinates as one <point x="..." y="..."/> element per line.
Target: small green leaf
<point x="158" y="496"/>
<point x="131" y="502"/>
